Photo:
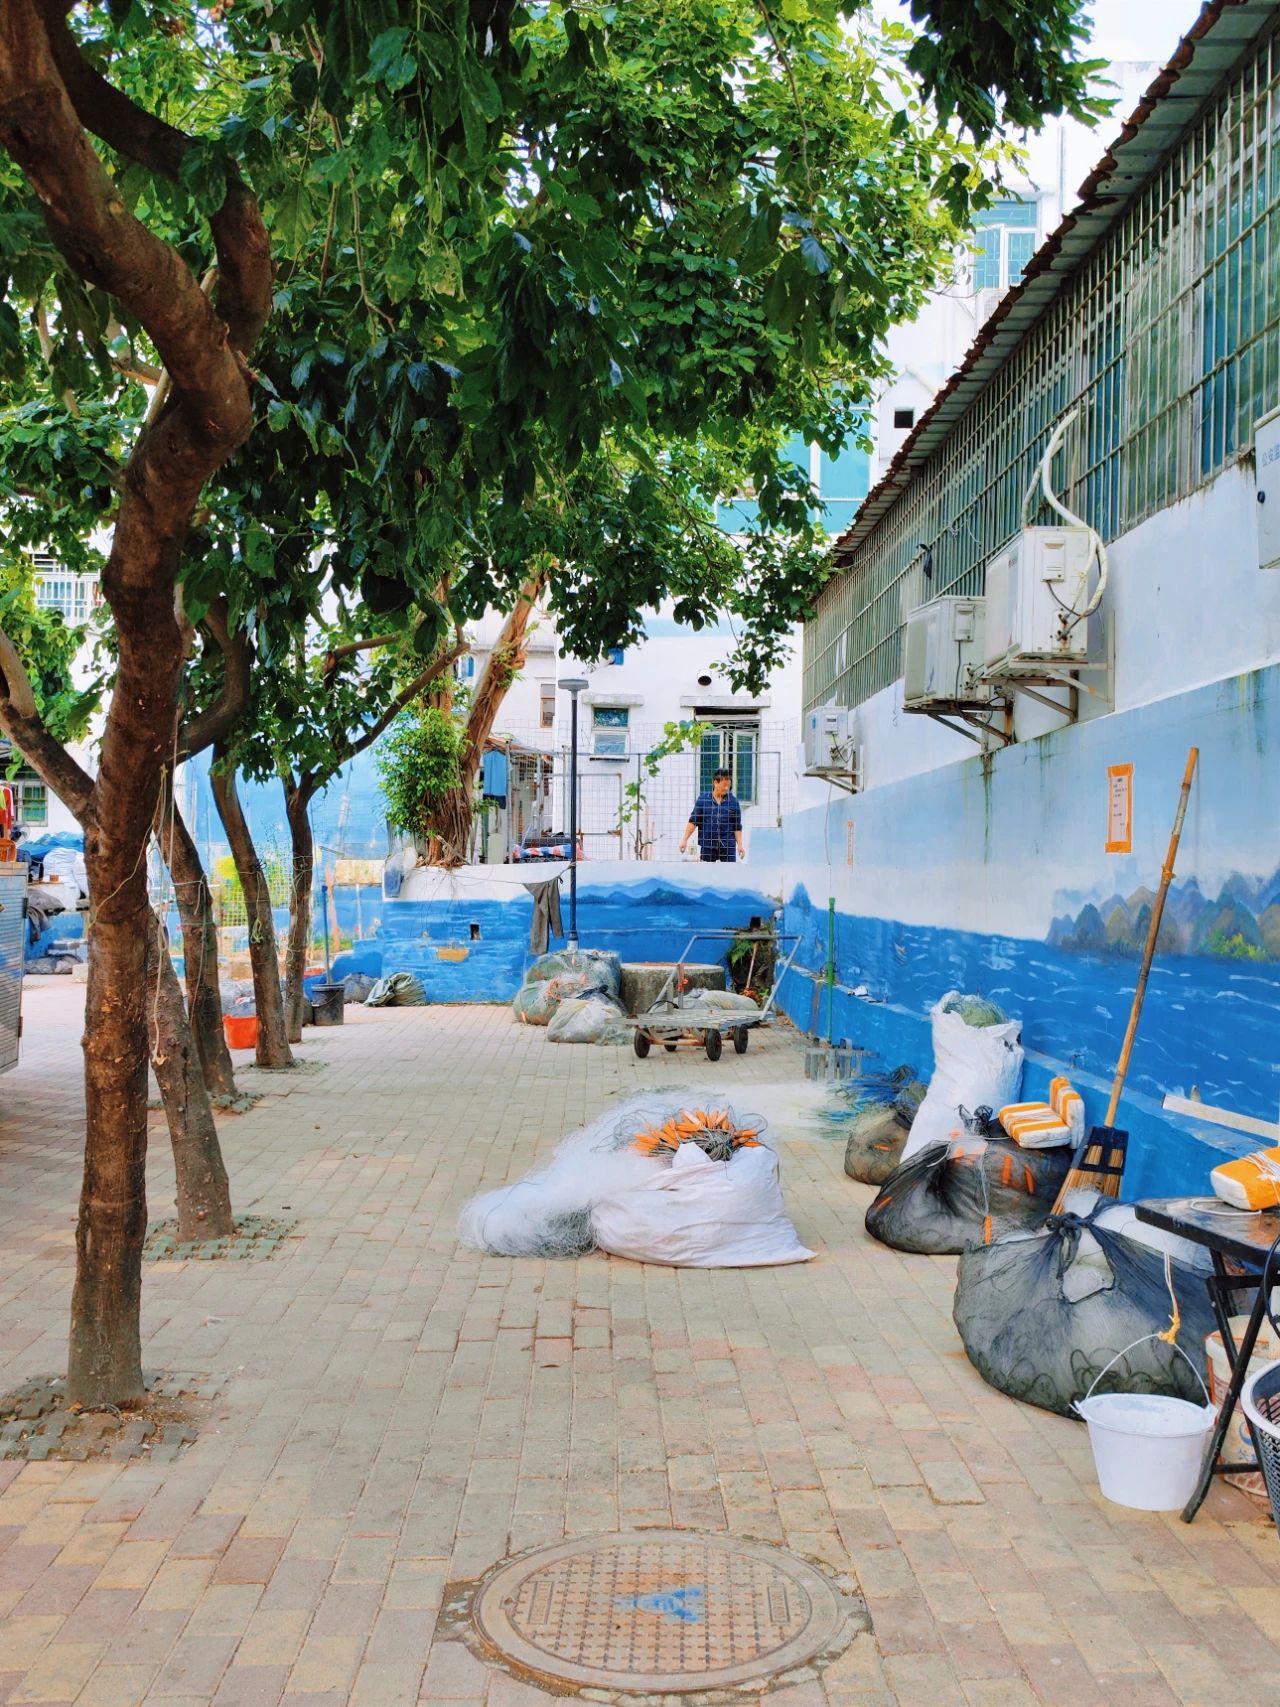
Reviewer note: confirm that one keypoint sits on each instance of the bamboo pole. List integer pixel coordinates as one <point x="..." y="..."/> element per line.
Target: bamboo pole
<point x="1107" y="1179"/>
<point x="1148" y="953"/>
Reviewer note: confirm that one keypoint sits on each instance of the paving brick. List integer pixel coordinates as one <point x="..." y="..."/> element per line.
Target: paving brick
<point x="402" y="1414"/>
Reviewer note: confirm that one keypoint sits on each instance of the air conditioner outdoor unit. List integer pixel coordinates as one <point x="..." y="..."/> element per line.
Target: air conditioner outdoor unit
<point x="830" y="747"/>
<point x="944" y="652"/>
<point x="1034" y="588"/>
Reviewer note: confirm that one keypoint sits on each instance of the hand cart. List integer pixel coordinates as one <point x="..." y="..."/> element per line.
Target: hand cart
<point x="677" y="1021"/>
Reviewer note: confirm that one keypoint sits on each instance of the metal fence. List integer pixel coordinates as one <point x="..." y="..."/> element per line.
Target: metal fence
<point x="624" y="812"/>
<point x="1169" y="336"/>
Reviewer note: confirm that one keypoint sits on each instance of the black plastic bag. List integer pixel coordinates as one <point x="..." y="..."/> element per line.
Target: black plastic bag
<point x="940" y="1201"/>
<point x="1041" y="1314"/>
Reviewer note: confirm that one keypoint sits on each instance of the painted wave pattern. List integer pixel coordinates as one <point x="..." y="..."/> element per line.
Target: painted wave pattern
<point x="1209" y="1021"/>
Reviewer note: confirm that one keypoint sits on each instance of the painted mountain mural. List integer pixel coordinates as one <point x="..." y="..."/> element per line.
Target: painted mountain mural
<point x="1242" y="923"/>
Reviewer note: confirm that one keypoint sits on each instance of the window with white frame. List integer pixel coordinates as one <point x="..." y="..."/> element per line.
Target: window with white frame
<point x="547" y="705"/>
<point x="31" y="802"/>
<point x="610" y="726"/>
<point x="732" y="748"/>
<point x="1005" y="234"/>
<point x="77" y="596"/>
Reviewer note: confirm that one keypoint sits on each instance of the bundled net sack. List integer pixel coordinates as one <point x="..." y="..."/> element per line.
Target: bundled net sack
<point x="877" y="1112"/>
<point x="977" y="1053"/>
<point x="721" y="1002"/>
<point x="400" y="990"/>
<point x="585" y="968"/>
<point x="971" y="1191"/>
<point x="558" y="977"/>
<point x="703" y="1212"/>
<point x="588" y="1019"/>
<point x="551" y="1212"/>
<point x="1042" y="1313"/>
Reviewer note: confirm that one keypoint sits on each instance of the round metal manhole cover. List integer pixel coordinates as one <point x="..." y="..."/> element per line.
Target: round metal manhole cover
<point x="659" y="1611"/>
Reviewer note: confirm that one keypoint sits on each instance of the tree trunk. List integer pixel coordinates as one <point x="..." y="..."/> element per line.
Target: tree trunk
<point x="199" y="949"/>
<point x="204" y="414"/>
<point x="449" y="819"/>
<point x="203" y="1194"/>
<point x="297" y="806"/>
<point x="273" y="1041"/>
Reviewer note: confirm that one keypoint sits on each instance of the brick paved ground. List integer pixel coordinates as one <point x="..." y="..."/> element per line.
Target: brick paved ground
<point x="401" y="1413"/>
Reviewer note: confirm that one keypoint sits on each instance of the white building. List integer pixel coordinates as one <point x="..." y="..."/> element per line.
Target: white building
<point x="673" y="677"/>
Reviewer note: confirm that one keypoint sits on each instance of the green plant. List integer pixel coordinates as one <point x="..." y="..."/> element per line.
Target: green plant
<point x="418" y="764"/>
<point x="751" y="960"/>
<point x="676" y="738"/>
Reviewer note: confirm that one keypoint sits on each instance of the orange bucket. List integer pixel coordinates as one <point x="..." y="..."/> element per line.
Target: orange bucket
<point x="241" y="1030"/>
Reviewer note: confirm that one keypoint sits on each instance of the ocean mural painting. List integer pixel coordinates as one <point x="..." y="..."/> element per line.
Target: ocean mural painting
<point x="994" y="876"/>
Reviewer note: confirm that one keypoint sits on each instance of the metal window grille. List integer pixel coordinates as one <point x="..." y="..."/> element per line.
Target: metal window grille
<point x="1169" y="336"/>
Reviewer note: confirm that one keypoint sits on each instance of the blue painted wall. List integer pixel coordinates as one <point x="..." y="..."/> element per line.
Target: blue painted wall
<point x="639" y="917"/>
<point x="992" y="876"/>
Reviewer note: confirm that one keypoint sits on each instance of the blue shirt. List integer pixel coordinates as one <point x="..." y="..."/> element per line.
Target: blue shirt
<point x="715" y="821"/>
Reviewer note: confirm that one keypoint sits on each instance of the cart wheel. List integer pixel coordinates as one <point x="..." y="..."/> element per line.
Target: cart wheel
<point x="740" y="1036"/>
<point x="670" y="1048"/>
<point x="642" y="1045"/>
<point x="715" y="1043"/>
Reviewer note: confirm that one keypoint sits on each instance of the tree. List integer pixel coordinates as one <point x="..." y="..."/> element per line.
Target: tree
<point x="687" y="233"/>
<point x="325" y="696"/>
<point x="52" y="100"/>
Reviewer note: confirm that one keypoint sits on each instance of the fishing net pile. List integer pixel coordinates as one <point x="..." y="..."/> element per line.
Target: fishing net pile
<point x="1042" y="1312"/>
<point x="971" y="1191"/>
<point x="674" y="1179"/>
<point x="876" y="1112"/>
<point x="565" y="974"/>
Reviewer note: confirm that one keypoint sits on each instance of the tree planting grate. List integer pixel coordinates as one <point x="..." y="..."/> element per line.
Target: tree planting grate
<point x="37" y="1423"/>
<point x="255" y="1237"/>
<point x="663" y="1612"/>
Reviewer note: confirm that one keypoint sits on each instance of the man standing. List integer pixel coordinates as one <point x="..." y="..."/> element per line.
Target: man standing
<point x="716" y="819"/>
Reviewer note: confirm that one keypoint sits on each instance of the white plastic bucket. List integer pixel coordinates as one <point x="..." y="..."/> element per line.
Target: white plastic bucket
<point x="1146" y="1449"/>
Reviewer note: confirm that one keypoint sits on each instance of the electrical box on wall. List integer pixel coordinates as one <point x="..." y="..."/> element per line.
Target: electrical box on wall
<point x="944" y="653"/>
<point x="1267" y="454"/>
<point x="830" y="744"/>
<point x="1033" y="587"/>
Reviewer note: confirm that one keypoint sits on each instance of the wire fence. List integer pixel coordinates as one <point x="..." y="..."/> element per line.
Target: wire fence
<point x="629" y="808"/>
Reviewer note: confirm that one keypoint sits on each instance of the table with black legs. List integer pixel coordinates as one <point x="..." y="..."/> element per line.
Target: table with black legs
<point x="1242" y="1240"/>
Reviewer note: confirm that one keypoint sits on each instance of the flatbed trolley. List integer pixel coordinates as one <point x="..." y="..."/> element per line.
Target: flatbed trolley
<point x="675" y="1022"/>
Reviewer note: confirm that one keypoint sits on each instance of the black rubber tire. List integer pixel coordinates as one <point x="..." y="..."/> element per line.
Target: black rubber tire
<point x="715" y="1044"/>
<point x="670" y="1048"/>
<point x="642" y="1045"/>
<point x="740" y="1035"/>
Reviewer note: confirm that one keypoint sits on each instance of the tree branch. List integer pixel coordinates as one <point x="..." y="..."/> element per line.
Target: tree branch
<point x="21" y="721"/>
<point x="244" y="254"/>
<point x="332" y="658"/>
<point x="216" y="721"/>
<point x="352" y="749"/>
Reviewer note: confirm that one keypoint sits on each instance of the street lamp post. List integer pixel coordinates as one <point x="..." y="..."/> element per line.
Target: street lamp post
<point x="573" y="686"/>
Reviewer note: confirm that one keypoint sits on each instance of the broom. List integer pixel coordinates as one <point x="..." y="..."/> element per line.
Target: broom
<point x="1089" y="1171"/>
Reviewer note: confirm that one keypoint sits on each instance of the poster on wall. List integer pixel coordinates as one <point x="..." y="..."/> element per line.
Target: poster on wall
<point x="1119" y="809"/>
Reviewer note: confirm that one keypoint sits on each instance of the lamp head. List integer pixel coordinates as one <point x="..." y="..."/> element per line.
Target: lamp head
<point x="572" y="684"/>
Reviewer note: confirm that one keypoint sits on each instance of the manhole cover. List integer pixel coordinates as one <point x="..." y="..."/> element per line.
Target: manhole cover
<point x="659" y="1611"/>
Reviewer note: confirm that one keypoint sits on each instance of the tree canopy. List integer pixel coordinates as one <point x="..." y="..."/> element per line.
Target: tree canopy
<point x="550" y="279"/>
